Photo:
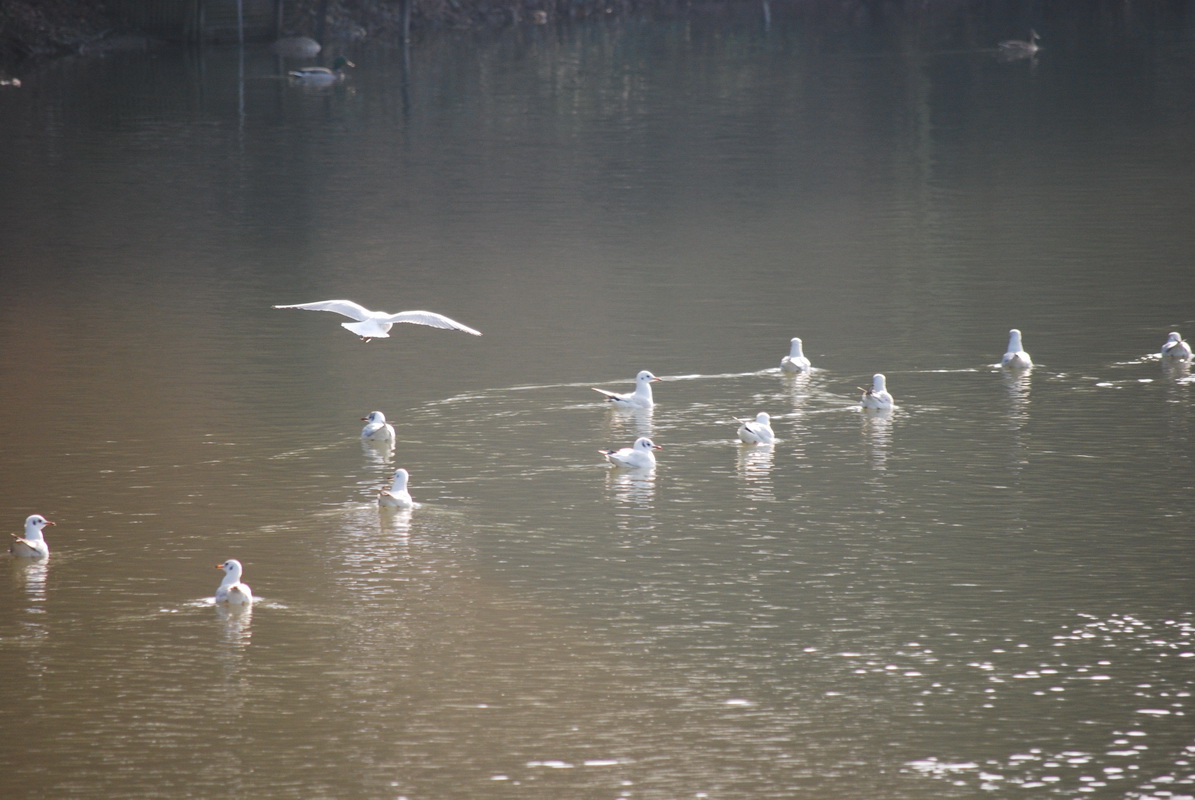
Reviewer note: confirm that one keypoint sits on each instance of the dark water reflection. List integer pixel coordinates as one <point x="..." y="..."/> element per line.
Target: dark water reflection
<point x="986" y="591"/>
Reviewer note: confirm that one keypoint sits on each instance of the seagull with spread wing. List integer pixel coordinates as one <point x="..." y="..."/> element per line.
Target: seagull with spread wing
<point x="377" y="324"/>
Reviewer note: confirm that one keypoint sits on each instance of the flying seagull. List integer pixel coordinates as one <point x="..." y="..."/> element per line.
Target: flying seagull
<point x="376" y="324"/>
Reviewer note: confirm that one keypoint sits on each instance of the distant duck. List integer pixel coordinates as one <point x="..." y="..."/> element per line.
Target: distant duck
<point x="795" y="361"/>
<point x="377" y="428"/>
<point x="297" y="47"/>
<point x="377" y="324"/>
<point x="640" y="398"/>
<point x="397" y="495"/>
<point x="33" y="544"/>
<point x="231" y="590"/>
<point x="637" y="456"/>
<point x="877" y="397"/>
<point x="1020" y="48"/>
<point x="1016" y="357"/>
<point x="758" y="431"/>
<point x="1176" y="349"/>
<point x="318" y="76"/>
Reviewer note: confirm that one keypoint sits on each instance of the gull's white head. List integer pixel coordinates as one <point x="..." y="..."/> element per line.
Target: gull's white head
<point x="375" y="417"/>
<point x="643" y="443"/>
<point x="763" y="419"/>
<point x="1014" y="341"/>
<point x="401" y="476"/>
<point x="232" y="570"/>
<point x="879" y="383"/>
<point x="795" y="351"/>
<point x="33" y="526"/>
<point x="646" y="377"/>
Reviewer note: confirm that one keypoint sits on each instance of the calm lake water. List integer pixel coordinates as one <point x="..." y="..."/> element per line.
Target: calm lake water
<point x="988" y="592"/>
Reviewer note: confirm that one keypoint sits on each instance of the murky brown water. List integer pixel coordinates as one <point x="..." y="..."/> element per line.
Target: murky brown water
<point x="988" y="591"/>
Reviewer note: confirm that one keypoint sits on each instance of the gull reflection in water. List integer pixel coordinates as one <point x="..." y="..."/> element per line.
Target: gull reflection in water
<point x="877" y="432"/>
<point x="634" y="492"/>
<point x="381" y="453"/>
<point x="632" y="487"/>
<point x="796" y="383"/>
<point x="1176" y="369"/>
<point x="235" y="623"/>
<point x="31" y="574"/>
<point x="1016" y="384"/>
<point x="754" y="468"/>
<point x="395" y="521"/>
<point x="629" y="423"/>
<point x="1178" y="416"/>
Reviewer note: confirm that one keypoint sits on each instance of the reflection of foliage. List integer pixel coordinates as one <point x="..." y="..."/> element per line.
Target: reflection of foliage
<point x="48" y="27"/>
<point x="384" y="19"/>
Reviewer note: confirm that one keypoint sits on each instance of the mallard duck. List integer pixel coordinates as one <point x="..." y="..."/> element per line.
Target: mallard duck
<point x="397" y="495"/>
<point x="1017" y="47"/>
<point x="33" y="545"/>
<point x="640" y="398"/>
<point x="321" y="75"/>
<point x="377" y="428"/>
<point x="231" y="590"/>
<point x="637" y="456"/>
<point x="377" y="324"/>
<point x="795" y="361"/>
<point x="1016" y="357"/>
<point x="1176" y="349"/>
<point x="877" y="397"/>
<point x="758" y="431"/>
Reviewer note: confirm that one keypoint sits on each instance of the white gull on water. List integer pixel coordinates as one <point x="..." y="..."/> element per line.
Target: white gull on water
<point x="640" y="398"/>
<point x="377" y="429"/>
<point x="377" y="324"/>
<point x="795" y="361"/>
<point x="397" y="495"/>
<point x="1176" y="349"/>
<point x="33" y="545"/>
<point x="1016" y="357"/>
<point x="877" y="397"/>
<point x="231" y="590"/>
<point x="637" y="456"/>
<point x="757" y="431"/>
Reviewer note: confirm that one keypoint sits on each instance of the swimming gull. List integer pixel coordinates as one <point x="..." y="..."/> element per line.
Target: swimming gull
<point x="877" y="397"/>
<point x="397" y="495"/>
<point x="33" y="544"/>
<point x="637" y="456"/>
<point x="757" y="431"/>
<point x="795" y="361"/>
<point x="1176" y="349"/>
<point x="1016" y="357"/>
<point x="377" y="428"/>
<point x="640" y="398"/>
<point x="231" y="590"/>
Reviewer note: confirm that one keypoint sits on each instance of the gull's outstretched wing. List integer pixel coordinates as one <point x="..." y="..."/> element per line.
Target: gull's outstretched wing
<point x="346" y="307"/>
<point x="426" y="318"/>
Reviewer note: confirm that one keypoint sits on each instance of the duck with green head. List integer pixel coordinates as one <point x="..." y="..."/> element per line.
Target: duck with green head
<point x="322" y="75"/>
